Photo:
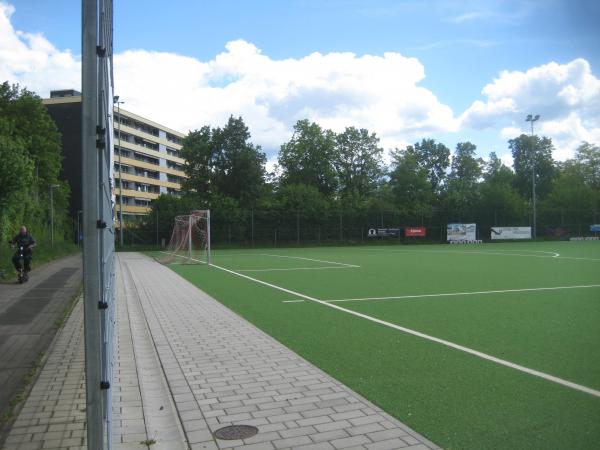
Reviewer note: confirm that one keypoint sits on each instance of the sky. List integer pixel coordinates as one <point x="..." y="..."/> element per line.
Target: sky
<point x="451" y="70"/>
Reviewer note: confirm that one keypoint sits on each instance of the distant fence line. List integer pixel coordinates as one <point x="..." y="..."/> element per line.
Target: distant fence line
<point x="283" y="227"/>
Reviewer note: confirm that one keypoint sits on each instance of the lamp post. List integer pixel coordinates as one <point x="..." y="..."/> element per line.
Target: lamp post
<point x="531" y="118"/>
<point x="52" y="187"/>
<point x="118" y="103"/>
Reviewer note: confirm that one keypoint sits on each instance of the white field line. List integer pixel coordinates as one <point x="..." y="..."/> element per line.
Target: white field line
<point x="293" y="268"/>
<point x="310" y="259"/>
<point x="554" y="255"/>
<point x="476" y="252"/>
<point x="451" y="294"/>
<point x="293" y="301"/>
<point x="462" y="348"/>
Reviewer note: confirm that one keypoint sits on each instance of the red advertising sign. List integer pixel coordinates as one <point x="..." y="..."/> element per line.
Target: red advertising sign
<point x="415" y="231"/>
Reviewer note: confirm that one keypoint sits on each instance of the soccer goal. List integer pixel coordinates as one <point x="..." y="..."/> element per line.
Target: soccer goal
<point x="190" y="240"/>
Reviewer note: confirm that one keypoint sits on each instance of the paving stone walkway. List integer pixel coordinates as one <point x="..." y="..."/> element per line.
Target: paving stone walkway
<point x="29" y="314"/>
<point x="187" y="366"/>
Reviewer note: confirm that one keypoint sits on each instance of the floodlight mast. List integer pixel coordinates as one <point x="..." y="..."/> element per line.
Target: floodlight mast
<point x="531" y="118"/>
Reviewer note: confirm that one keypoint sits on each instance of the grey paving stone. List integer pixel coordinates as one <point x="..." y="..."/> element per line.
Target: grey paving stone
<point x="292" y="442"/>
<point x="350" y="441"/>
<point x="390" y="444"/>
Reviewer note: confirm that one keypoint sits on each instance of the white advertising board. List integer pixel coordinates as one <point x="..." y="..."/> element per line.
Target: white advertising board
<point x="511" y="233"/>
<point x="461" y="232"/>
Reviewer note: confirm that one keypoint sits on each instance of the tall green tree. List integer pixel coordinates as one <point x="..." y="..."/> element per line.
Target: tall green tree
<point x="308" y="158"/>
<point x="462" y="190"/>
<point x="570" y="190"/>
<point x="434" y="158"/>
<point x="240" y="166"/>
<point x="587" y="157"/>
<point x="498" y="194"/>
<point x="30" y="155"/>
<point x="411" y="188"/>
<point x="358" y="163"/>
<point x="199" y="153"/>
<point x="222" y="162"/>
<point x="533" y="152"/>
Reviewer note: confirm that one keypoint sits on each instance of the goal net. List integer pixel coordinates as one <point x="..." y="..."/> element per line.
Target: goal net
<point x="190" y="240"/>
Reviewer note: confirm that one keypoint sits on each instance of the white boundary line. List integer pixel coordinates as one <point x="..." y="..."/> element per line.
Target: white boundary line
<point x="451" y="294"/>
<point x="309" y="259"/>
<point x="553" y="255"/>
<point x="293" y="268"/>
<point x="462" y="348"/>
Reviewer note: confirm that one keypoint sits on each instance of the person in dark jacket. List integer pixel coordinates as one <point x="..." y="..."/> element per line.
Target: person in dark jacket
<point x="25" y="240"/>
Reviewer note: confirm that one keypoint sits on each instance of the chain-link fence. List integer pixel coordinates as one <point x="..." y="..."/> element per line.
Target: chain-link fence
<point x="272" y="228"/>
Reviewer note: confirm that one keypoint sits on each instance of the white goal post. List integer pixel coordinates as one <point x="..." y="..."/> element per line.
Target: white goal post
<point x="190" y="239"/>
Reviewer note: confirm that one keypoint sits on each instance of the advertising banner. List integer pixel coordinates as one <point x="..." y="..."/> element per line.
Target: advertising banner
<point x="511" y="233"/>
<point x="384" y="232"/>
<point x="415" y="231"/>
<point x="595" y="228"/>
<point x="461" y="232"/>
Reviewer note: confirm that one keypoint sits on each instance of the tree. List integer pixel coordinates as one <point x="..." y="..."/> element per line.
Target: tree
<point x="587" y="156"/>
<point x="411" y="188"/>
<point x="307" y="158"/>
<point x="240" y="165"/>
<point x="462" y="190"/>
<point x="303" y="199"/>
<point x="358" y="164"/>
<point x="30" y="155"/>
<point x="434" y="158"/>
<point x="16" y="176"/>
<point x="533" y="152"/>
<point x="222" y="162"/>
<point x="498" y="194"/>
<point x="199" y="154"/>
<point x="571" y="191"/>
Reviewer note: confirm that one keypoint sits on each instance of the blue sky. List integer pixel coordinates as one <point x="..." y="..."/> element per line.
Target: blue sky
<point x="460" y="47"/>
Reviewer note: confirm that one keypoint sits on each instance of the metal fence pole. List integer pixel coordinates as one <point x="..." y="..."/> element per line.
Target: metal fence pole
<point x="91" y="248"/>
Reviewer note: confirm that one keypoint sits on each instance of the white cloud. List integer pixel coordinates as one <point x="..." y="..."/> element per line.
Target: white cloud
<point x="378" y="92"/>
<point x="32" y="61"/>
<point x="567" y="96"/>
<point x="381" y="93"/>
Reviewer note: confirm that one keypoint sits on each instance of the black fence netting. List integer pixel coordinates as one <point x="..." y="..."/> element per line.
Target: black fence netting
<point x="272" y="228"/>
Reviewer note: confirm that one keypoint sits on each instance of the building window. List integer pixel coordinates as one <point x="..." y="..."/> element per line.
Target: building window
<point x="145" y="158"/>
<point x="175" y="166"/>
<point x="121" y="151"/>
<point x="124" y="168"/>
<point x="174" y="139"/>
<point x="174" y="179"/>
<point x="173" y="152"/>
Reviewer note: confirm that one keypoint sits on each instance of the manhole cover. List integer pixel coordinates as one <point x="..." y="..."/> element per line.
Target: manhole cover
<point x="236" y="432"/>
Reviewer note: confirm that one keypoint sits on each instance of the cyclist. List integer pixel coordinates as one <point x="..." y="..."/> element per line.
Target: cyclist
<point x="24" y="241"/>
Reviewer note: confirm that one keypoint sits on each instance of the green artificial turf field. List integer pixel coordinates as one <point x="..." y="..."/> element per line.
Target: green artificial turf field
<point x="533" y="305"/>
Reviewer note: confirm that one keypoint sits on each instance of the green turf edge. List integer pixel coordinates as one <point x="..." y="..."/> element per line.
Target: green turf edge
<point x="454" y="399"/>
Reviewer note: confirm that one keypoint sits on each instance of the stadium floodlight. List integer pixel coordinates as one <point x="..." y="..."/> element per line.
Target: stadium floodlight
<point x="531" y="118"/>
<point x="190" y="239"/>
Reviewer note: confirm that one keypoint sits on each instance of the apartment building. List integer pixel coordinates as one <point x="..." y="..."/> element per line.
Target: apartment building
<point x="147" y="159"/>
